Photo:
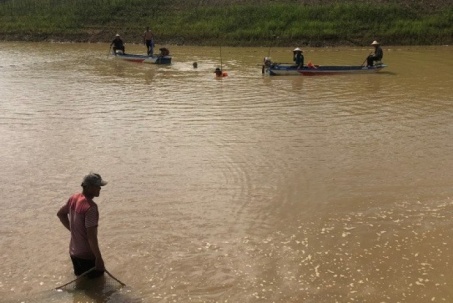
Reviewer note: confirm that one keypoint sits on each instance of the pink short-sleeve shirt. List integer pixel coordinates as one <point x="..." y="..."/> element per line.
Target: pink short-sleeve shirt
<point x="83" y="213"/>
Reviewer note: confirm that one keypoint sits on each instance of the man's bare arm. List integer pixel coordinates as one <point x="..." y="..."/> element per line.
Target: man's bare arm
<point x="63" y="216"/>
<point x="92" y="233"/>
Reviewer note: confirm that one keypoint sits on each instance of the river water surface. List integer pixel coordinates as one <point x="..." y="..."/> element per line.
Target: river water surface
<point x="245" y="189"/>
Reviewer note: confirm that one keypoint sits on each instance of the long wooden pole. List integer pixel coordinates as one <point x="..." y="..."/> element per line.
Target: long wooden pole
<point x="87" y="272"/>
<point x="221" y="58"/>
<point x="76" y="279"/>
<point x="122" y="284"/>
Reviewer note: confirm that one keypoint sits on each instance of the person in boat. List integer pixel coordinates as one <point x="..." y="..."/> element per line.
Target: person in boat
<point x="118" y="44"/>
<point x="378" y="54"/>
<point x="267" y="62"/>
<point x="148" y="40"/>
<point x="80" y="216"/>
<point x="298" y="58"/>
<point x="164" y="52"/>
<point x="219" y="73"/>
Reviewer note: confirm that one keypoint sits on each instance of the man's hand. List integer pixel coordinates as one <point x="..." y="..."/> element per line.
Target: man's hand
<point x="92" y="233"/>
<point x="99" y="264"/>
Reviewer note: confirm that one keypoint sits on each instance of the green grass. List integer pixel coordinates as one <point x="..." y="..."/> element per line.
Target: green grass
<point x="275" y="23"/>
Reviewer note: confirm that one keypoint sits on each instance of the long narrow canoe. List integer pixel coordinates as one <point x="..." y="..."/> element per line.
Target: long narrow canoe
<point x="333" y="70"/>
<point x="155" y="59"/>
<point x="287" y="69"/>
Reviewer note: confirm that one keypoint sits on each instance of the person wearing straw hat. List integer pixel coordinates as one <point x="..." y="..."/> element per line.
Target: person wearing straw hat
<point x="118" y="44"/>
<point x="377" y="55"/>
<point x="80" y="216"/>
<point x="298" y="58"/>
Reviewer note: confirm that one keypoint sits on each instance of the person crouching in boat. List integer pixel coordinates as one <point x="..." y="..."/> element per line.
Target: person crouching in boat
<point x="219" y="73"/>
<point x="298" y="58"/>
<point x="118" y="45"/>
<point x="164" y="52"/>
<point x="377" y="56"/>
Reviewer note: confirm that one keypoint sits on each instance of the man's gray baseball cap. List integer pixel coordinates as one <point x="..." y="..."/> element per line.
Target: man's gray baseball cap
<point x="93" y="180"/>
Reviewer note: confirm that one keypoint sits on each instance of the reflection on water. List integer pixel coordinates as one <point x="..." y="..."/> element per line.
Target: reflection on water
<point x="249" y="189"/>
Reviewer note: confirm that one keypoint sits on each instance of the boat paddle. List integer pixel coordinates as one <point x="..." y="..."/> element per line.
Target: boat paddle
<point x="110" y="48"/>
<point x="366" y="59"/>
<point x="274" y="39"/>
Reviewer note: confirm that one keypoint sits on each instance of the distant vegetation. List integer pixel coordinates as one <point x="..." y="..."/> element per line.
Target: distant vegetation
<point x="229" y="22"/>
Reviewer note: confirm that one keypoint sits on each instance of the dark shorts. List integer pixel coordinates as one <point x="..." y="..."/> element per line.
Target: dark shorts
<point x="149" y="43"/>
<point x="83" y="265"/>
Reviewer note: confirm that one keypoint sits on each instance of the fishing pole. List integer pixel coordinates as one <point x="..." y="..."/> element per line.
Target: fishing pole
<point x="221" y="58"/>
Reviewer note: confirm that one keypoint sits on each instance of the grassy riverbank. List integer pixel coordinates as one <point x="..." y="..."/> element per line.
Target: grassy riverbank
<point x="230" y="22"/>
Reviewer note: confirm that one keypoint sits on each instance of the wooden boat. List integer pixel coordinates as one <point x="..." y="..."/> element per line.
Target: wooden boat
<point x="338" y="69"/>
<point x="162" y="58"/>
<point x="288" y="69"/>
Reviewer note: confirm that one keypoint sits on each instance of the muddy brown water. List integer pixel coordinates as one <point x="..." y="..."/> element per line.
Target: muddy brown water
<point x="245" y="189"/>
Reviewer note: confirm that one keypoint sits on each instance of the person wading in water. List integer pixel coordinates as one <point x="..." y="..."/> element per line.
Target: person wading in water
<point x="80" y="216"/>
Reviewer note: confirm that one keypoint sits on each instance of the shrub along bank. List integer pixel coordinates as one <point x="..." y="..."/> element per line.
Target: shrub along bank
<point x="235" y="23"/>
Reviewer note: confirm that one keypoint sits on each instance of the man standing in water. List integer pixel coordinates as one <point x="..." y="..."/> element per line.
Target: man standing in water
<point x="80" y="216"/>
<point x="148" y="40"/>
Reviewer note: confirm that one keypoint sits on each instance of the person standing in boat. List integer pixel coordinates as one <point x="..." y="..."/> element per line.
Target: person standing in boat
<point x="378" y="54"/>
<point x="80" y="216"/>
<point x="148" y="40"/>
<point x="118" y="44"/>
<point x="298" y="58"/>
